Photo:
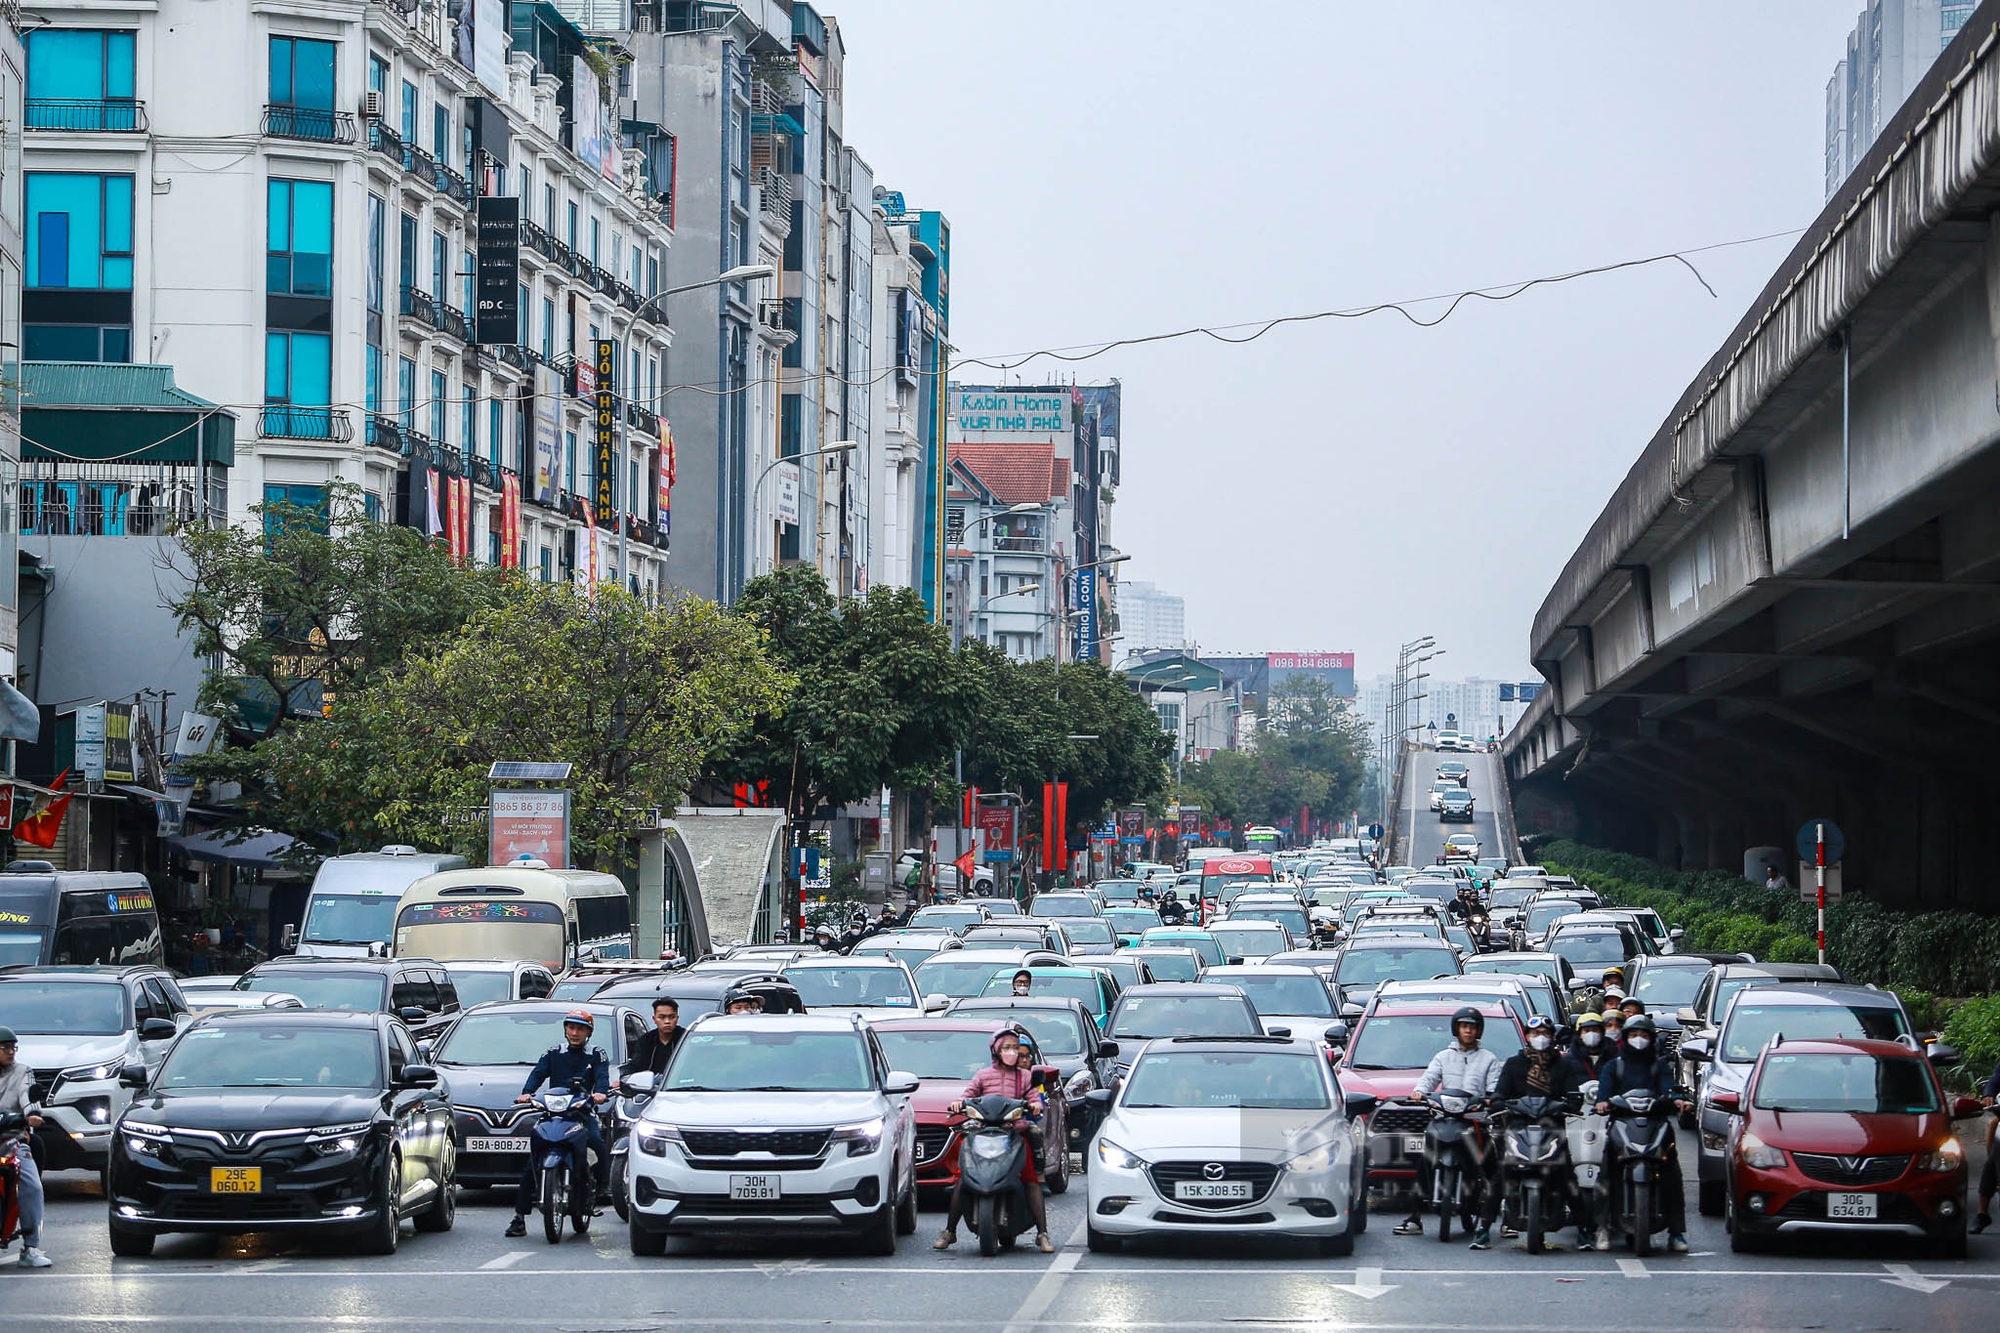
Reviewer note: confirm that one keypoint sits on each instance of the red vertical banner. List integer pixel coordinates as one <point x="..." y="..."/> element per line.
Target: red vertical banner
<point x="465" y="517"/>
<point x="510" y="518"/>
<point x="1048" y="826"/>
<point x="1060" y="838"/>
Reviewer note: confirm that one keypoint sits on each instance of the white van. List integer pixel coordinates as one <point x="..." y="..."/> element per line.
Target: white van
<point x="522" y="910"/>
<point x="352" y="908"/>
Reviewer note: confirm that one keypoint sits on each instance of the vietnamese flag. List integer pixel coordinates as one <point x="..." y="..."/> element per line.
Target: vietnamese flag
<point x="40" y="828"/>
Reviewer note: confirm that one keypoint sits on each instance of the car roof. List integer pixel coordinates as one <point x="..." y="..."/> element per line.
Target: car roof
<point x="839" y="960"/>
<point x="1066" y="1002"/>
<point x="1058" y="970"/>
<point x="1286" y="1045"/>
<point x="1799" y="971"/>
<point x="1647" y="962"/>
<point x="1833" y="993"/>
<point x="344" y="964"/>
<point x="952" y="1022"/>
<point x="1183" y="988"/>
<point x="1146" y="950"/>
<point x="1523" y="956"/>
<point x="79" y="972"/>
<point x="492" y="964"/>
<point x="598" y="1006"/>
<point x="1399" y="940"/>
<point x="1848" y="1046"/>
<point x="345" y="1018"/>
<point x="812" y="1022"/>
<point x="1265" y="969"/>
<point x="1391" y="1008"/>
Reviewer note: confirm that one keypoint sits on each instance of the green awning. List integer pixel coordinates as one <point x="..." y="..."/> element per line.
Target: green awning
<point x="90" y="411"/>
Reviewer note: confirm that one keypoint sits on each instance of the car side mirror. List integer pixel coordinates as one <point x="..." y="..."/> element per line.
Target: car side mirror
<point x="418" y="1076"/>
<point x="157" y="1029"/>
<point x="1675" y="932"/>
<point x="1280" y="1031"/>
<point x="1099" y="1097"/>
<point x="900" y="1084"/>
<point x="425" y="1049"/>
<point x="288" y="938"/>
<point x="1726" y="1102"/>
<point x="1335" y="1034"/>
<point x="1697" y="1049"/>
<point x="410" y="1013"/>
<point x="1687" y="1016"/>
<point x="134" y="1077"/>
<point x="1235" y="961"/>
<point x="1943" y="1055"/>
<point x="1351" y="1011"/>
<point x="1107" y="1050"/>
<point x="1361" y="1105"/>
<point x="936" y="1004"/>
<point x="1578" y="984"/>
<point x="643" y="1083"/>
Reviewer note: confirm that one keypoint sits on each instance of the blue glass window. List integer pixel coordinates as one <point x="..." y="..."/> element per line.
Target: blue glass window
<point x="410" y="113"/>
<point x="495" y="424"/>
<point x="299" y="258"/>
<point x="80" y="79"/>
<point x="298" y="385"/>
<point x="302" y="73"/>
<point x="465" y="419"/>
<point x="77" y="342"/>
<point x="438" y="407"/>
<point x="377" y="244"/>
<point x="440" y="133"/>
<point x="406" y="391"/>
<point x="79" y="231"/>
<point x="305" y="497"/>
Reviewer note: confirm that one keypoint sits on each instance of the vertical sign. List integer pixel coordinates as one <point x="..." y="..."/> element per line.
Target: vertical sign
<point x="667" y="461"/>
<point x="497" y="293"/>
<point x="1086" y="623"/>
<point x="606" y="426"/>
<point x="510" y="521"/>
<point x="489" y="47"/>
<point x="786" y="479"/>
<point x="548" y="432"/>
<point x="91" y="723"/>
<point x="586" y="114"/>
<point x="527" y="823"/>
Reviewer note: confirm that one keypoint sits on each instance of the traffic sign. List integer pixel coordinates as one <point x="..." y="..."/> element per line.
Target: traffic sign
<point x="1808" y="842"/>
<point x="1375" y="832"/>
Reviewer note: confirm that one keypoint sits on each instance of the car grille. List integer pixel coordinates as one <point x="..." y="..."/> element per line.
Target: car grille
<point x="193" y="1207"/>
<point x="932" y="1140"/>
<point x="1811" y="1206"/>
<point x="1400" y="1120"/>
<point x="41" y="1084"/>
<point x="1196" y="1219"/>
<point x="778" y="1143"/>
<point x="1261" y="1176"/>
<point x="1831" y="1170"/>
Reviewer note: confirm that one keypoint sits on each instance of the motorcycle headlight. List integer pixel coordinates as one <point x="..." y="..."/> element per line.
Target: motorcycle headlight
<point x="653" y="1139"/>
<point x="1756" y="1152"/>
<point x="861" y="1139"/>
<point x="1116" y="1157"/>
<point x="986" y="1145"/>
<point x="1455" y="1105"/>
<point x="1947" y="1156"/>
<point x="1316" y="1160"/>
<point x="555" y="1103"/>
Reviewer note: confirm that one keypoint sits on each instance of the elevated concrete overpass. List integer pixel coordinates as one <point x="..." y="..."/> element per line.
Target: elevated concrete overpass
<point x="1790" y="605"/>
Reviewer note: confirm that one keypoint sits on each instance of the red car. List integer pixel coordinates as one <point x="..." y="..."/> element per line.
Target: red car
<point x="1844" y="1135"/>
<point x="1386" y="1055"/>
<point x="944" y="1054"/>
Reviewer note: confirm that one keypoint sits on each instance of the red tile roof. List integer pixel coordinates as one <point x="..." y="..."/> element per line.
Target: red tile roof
<point x="1015" y="473"/>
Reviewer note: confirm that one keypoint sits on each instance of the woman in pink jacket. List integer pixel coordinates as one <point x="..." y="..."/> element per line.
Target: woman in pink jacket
<point x="1010" y="1075"/>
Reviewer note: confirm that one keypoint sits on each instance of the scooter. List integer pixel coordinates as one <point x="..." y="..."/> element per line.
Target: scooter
<point x="1535" y="1168"/>
<point x="13" y="1132"/>
<point x="558" y="1140"/>
<point x="991" y="1153"/>
<point x="1455" y="1146"/>
<point x="626" y="1105"/>
<point x="1642" y="1132"/>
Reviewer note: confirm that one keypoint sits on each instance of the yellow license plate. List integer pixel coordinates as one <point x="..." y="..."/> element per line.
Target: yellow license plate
<point x="236" y="1180"/>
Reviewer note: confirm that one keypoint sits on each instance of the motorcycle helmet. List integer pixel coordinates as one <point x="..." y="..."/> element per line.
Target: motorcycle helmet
<point x="1639" y="1023"/>
<point x="581" y="1018"/>
<point x="741" y="995"/>
<point x="1590" y="1021"/>
<point x="1540" y="1023"/>
<point x="1007" y="1034"/>
<point x="1614" y="978"/>
<point x="1469" y="1015"/>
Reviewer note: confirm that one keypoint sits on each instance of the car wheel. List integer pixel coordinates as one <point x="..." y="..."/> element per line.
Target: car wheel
<point x="1102" y="1242"/>
<point x="1952" y="1246"/>
<point x="880" y="1235"/>
<point x="1056" y="1181"/>
<point x="1337" y="1247"/>
<point x="906" y="1212"/>
<point x="646" y="1243"/>
<point x="1357" y="1215"/>
<point x="129" y="1244"/>
<point x="1709" y="1195"/>
<point x="382" y="1233"/>
<point x="444" y="1209"/>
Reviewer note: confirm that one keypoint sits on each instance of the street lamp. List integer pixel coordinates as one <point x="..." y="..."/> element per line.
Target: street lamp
<point x="837" y="447"/>
<point x="741" y="273"/>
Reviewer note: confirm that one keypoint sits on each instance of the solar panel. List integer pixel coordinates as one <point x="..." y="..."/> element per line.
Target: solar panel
<point x="518" y="771"/>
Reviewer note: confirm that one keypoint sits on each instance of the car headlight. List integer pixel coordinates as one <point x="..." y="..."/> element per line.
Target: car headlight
<point x="653" y="1139"/>
<point x="1116" y="1157"/>
<point x="1315" y="1160"/>
<point x="1756" y="1152"/>
<point x="861" y="1139"/>
<point x="141" y="1147"/>
<point x="1947" y="1156"/>
<point x="92" y="1073"/>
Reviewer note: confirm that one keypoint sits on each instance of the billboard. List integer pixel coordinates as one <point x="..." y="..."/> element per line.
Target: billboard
<point x="1002" y="415"/>
<point x="1086" y="621"/>
<point x="527" y="823"/>
<point x="548" y="433"/>
<point x="498" y="269"/>
<point x="489" y="45"/>
<point x="604" y="431"/>
<point x="786" y="505"/>
<point x="1335" y="669"/>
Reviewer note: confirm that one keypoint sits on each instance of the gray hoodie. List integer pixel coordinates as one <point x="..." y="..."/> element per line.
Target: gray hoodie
<point x="16" y="1089"/>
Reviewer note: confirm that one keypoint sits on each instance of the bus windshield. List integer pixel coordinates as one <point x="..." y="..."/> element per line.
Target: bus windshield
<point x="349" y="918"/>
<point x="482" y="929"/>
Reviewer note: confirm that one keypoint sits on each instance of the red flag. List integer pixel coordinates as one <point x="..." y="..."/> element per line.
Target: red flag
<point x="964" y="864"/>
<point x="40" y="829"/>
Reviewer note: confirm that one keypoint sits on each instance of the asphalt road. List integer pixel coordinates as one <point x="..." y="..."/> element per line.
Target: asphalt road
<point x="473" y="1277"/>
<point x="1424" y="834"/>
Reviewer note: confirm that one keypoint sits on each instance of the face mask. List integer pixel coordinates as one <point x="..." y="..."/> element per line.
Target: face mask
<point x="1540" y="1043"/>
<point x="1010" y="1055"/>
<point x="1592" y="1038"/>
<point x="1639" y="1043"/>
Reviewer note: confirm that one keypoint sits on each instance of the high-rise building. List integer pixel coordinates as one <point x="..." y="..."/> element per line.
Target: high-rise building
<point x="1893" y="43"/>
<point x="1149" y="618"/>
<point x="900" y="469"/>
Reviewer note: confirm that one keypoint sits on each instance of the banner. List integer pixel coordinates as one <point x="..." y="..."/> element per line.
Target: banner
<point x="590" y="535"/>
<point x="666" y="470"/>
<point x="433" y="524"/>
<point x="604" y="426"/>
<point x="510" y="521"/>
<point x="451" y="542"/>
<point x="527" y="823"/>
<point x="786" y="478"/>
<point x="497" y="270"/>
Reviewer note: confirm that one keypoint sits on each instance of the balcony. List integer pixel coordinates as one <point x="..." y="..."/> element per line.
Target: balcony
<point x="1020" y="545"/>
<point x="538" y="240"/>
<point x="385" y="141"/>
<point x="71" y="499"/>
<point x="418" y="305"/>
<point x="87" y="115"/>
<point x="776" y="190"/>
<point x="629" y="299"/>
<point x="280" y="421"/>
<point x="484" y="473"/>
<point x="513" y="355"/>
<point x="451" y="184"/>
<point x="420" y="164"/>
<point x="452" y="322"/>
<point x="310" y="123"/>
<point x="386" y="433"/>
<point x="642" y="419"/>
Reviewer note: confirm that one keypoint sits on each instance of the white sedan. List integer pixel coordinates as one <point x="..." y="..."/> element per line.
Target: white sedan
<point x="1229" y="1136"/>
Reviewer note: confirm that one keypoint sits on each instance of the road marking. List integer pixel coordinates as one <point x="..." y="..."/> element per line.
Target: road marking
<point x="774" y="1269"/>
<point x="1050" y="1286"/>
<point x="1902" y="1275"/>
<point x="504" y="1261"/>
<point x="1367" y="1284"/>
<point x="1633" y="1268"/>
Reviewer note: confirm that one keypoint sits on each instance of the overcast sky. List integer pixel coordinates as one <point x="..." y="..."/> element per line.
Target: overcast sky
<point x="1114" y="169"/>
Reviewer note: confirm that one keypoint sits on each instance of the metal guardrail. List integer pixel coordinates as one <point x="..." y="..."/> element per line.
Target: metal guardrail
<point x="280" y="421"/>
<point x="87" y="115"/>
<point x="313" y="124"/>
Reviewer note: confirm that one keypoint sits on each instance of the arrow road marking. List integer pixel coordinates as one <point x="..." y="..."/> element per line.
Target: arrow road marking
<point x="1633" y="1268"/>
<point x="1367" y="1284"/>
<point x="786" y="1267"/>
<point x="504" y="1261"/>
<point x="1902" y="1275"/>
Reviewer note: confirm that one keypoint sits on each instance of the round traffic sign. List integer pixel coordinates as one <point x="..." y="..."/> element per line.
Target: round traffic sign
<point x="1375" y="832"/>
<point x="1808" y="842"/>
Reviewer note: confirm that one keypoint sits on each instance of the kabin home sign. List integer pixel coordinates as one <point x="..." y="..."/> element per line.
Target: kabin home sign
<point x="1010" y="416"/>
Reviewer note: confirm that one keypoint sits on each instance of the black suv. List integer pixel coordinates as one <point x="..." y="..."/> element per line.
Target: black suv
<point x="287" y="1119"/>
<point x="416" y="990"/>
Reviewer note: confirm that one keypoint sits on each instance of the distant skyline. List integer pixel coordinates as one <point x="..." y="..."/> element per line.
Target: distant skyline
<point x="1119" y="169"/>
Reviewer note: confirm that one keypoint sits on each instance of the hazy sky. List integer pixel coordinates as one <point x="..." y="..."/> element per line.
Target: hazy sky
<point x="1114" y="169"/>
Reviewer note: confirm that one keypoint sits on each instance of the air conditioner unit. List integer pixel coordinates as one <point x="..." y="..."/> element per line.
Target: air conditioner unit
<point x="371" y="105"/>
<point x="771" y="314"/>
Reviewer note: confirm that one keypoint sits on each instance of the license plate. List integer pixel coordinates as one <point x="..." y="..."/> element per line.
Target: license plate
<point x="1413" y="1143"/>
<point x="1212" y="1189"/>
<point x="756" y="1187"/>
<point x="236" y="1180"/>
<point x="1853" y="1207"/>
<point x="496" y="1143"/>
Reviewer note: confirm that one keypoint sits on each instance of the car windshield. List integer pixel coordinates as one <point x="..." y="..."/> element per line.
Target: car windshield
<point x="936" y="1052"/>
<point x="1059" y="1032"/>
<point x="519" y="1038"/>
<point x="481" y="986"/>
<point x="1542" y="915"/>
<point x="1175" y="966"/>
<point x="350" y="918"/>
<point x="754" y="1060"/>
<point x="1275" y="993"/>
<point x="1090" y="930"/>
<point x="1510" y="897"/>
<point x="835" y="987"/>
<point x="1062" y="905"/>
<point x="1249" y="941"/>
<point x="1118" y="890"/>
<point x="256" y="1056"/>
<point x="1204" y="945"/>
<point x="1667" y="987"/>
<point x="1083" y="988"/>
<point x="1861" y="1084"/>
<point x="1591" y="951"/>
<point x="363" y="991"/>
<point x="580" y="988"/>
<point x="1291" y="918"/>
<point x="958" y="974"/>
<point x="85" y="1008"/>
<point x="1226" y="1080"/>
<point x="1132" y="920"/>
<point x="1752" y="1024"/>
<point x="910" y="955"/>
<point x="1123" y="970"/>
<point x="1183" y="1016"/>
<point x="1408" y="1041"/>
<point x="948" y="918"/>
<point x="1367" y="966"/>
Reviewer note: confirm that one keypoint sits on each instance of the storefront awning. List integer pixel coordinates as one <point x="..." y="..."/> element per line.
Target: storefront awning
<point x="261" y="850"/>
<point x="88" y="411"/>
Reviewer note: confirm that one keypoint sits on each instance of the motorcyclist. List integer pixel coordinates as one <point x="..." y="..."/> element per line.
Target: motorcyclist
<point x="1463" y="1064"/>
<point x="1464" y="904"/>
<point x="1173" y="911"/>
<point x="741" y="1001"/>
<point x="1638" y="1068"/>
<point x="1989" y="1175"/>
<point x="580" y="1068"/>
<point x="651" y="1052"/>
<point x="823" y="937"/>
<point x="17" y="1093"/>
<point x="1538" y="1071"/>
<point x="1591" y="1050"/>
<point x="1010" y="1075"/>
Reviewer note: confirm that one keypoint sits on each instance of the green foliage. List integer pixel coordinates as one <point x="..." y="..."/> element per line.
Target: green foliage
<point x="1974" y="1028"/>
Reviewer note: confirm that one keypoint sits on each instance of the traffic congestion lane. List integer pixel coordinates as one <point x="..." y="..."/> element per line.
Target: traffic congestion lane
<point x="1425" y="833"/>
<point x="472" y="1276"/>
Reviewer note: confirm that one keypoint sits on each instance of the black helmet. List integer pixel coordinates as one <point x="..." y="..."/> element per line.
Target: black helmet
<point x="1170" y="895"/>
<point x="740" y="994"/>
<point x="1639" y="1023"/>
<point x="1469" y="1015"/>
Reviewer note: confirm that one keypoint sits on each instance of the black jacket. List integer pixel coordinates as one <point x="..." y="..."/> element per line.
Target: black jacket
<point x="1566" y="1077"/>
<point x="650" y="1054"/>
<point x="1635" y="1073"/>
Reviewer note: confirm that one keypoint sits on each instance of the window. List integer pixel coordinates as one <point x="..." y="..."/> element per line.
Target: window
<point x="377" y="245"/>
<point x="298" y="385"/>
<point x="79" y="79"/>
<point x="569" y="457"/>
<point x="378" y="75"/>
<point x="596" y="232"/>
<point x="438" y="251"/>
<point x="652" y="277"/>
<point x="299" y="260"/>
<point x="438" y="408"/>
<point x="302" y="73"/>
<point x="548" y="329"/>
<point x="495" y="423"/>
<point x="406" y="391"/>
<point x="549" y="206"/>
<point x="409" y="120"/>
<point x="77" y="342"/>
<point x="406" y="259"/>
<point x="440" y="133"/>
<point x="372" y="363"/>
<point x="79" y="231"/>
<point x="548" y="565"/>
<point x="301" y="497"/>
<point x="465" y="418"/>
<point x="569" y="234"/>
<point x="468" y="267"/>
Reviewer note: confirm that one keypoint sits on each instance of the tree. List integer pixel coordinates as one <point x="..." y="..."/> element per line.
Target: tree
<point x="1311" y="752"/>
<point x="321" y="594"/>
<point x="636" y="695"/>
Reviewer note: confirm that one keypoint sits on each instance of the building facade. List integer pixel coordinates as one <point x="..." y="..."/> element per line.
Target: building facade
<point x="1150" y="618"/>
<point x="1893" y="43"/>
<point x="903" y="459"/>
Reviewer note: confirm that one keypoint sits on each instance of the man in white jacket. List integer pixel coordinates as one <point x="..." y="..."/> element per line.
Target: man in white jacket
<point x="1465" y="1065"/>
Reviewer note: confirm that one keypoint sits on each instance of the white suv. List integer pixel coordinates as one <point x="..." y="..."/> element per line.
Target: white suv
<point x="776" y="1123"/>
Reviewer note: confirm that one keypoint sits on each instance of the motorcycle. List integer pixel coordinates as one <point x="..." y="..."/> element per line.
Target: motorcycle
<point x="558" y="1141"/>
<point x="626" y="1103"/>
<point x="1535" y="1168"/>
<point x="1641" y="1135"/>
<point x="991" y="1153"/>
<point x="1455" y="1147"/>
<point x="1481" y="930"/>
<point x="13" y="1133"/>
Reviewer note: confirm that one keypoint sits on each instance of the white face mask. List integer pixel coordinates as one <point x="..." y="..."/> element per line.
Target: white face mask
<point x="1539" y="1043"/>
<point x="1638" y="1043"/>
<point x="1592" y="1038"/>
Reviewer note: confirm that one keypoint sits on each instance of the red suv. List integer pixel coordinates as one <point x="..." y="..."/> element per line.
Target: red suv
<point x="944" y="1053"/>
<point x="1844" y="1135"/>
